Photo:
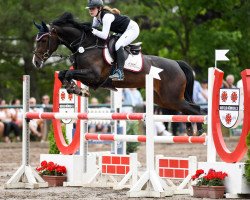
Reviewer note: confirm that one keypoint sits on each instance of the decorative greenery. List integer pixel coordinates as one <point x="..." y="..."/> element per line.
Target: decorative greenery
<point x="132" y="129"/>
<point x="212" y="178"/>
<point x="51" y="169"/>
<point x="52" y="143"/>
<point x="247" y="165"/>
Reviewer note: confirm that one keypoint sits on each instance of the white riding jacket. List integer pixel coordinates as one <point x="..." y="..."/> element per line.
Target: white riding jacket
<point x="130" y="34"/>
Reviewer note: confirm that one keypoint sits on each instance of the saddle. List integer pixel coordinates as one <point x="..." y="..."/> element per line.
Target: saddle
<point x="133" y="56"/>
<point x="133" y="49"/>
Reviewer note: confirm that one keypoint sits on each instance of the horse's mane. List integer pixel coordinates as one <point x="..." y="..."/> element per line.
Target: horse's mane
<point x="67" y="18"/>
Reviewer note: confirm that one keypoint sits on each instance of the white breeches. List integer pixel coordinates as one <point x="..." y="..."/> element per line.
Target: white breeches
<point x="131" y="33"/>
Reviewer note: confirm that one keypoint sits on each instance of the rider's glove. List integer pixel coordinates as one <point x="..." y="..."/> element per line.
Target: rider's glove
<point x="94" y="31"/>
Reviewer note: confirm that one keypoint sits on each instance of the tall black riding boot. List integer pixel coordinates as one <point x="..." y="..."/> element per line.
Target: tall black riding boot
<point x="119" y="75"/>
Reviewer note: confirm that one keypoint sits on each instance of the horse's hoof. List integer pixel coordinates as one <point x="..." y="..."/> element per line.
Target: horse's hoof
<point x="70" y="91"/>
<point x="200" y="132"/>
<point x="203" y="135"/>
<point x="85" y="93"/>
<point x="190" y="131"/>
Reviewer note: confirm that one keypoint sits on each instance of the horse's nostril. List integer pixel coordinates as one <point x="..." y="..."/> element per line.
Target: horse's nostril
<point x="37" y="64"/>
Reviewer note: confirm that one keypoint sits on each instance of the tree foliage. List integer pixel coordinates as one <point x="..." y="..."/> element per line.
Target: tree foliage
<point x="187" y="30"/>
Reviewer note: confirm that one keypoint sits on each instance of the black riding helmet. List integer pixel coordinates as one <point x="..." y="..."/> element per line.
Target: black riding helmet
<point x="94" y="3"/>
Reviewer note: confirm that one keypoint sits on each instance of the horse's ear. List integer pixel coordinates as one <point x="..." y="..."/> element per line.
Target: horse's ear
<point x="38" y="26"/>
<point x="45" y="27"/>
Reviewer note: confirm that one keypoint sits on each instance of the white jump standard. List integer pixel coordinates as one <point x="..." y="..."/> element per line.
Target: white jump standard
<point x="26" y="176"/>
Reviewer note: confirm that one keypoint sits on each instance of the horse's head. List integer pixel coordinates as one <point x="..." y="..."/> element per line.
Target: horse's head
<point x="66" y="31"/>
<point x="47" y="42"/>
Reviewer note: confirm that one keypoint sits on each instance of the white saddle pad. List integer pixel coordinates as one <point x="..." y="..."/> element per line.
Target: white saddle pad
<point x="133" y="63"/>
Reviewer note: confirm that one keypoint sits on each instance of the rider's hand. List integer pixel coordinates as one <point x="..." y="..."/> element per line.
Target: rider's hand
<point x="94" y="31"/>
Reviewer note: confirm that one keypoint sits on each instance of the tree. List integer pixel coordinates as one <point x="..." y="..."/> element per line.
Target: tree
<point x="17" y="43"/>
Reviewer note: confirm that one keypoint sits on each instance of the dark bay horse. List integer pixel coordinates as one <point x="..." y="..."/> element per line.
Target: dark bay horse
<point x="174" y="90"/>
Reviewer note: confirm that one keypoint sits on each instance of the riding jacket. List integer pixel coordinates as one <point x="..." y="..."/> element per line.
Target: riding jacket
<point x="111" y="22"/>
<point x="121" y="24"/>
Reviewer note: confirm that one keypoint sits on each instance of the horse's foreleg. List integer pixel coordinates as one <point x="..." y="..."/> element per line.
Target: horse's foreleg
<point x="75" y="89"/>
<point x="66" y="78"/>
<point x="61" y="76"/>
<point x="85" y="75"/>
<point x="67" y="83"/>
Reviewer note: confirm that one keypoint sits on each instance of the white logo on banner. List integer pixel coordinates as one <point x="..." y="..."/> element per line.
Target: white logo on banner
<point x="229" y="108"/>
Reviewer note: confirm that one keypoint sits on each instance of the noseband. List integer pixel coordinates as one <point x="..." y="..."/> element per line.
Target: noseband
<point x="46" y="55"/>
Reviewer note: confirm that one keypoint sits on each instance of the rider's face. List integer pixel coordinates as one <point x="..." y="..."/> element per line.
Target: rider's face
<point x="93" y="11"/>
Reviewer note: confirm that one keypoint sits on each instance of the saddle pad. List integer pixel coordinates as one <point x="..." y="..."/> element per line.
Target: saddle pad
<point x="133" y="62"/>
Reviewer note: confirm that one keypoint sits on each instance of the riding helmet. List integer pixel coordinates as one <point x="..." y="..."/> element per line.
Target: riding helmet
<point x="94" y="3"/>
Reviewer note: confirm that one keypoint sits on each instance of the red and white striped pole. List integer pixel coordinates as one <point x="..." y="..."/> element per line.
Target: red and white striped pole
<point x="117" y="116"/>
<point x="143" y="138"/>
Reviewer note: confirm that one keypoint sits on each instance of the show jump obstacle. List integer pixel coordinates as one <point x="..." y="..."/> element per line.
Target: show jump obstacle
<point x="150" y="183"/>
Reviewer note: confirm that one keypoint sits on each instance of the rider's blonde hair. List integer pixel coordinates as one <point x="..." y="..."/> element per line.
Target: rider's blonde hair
<point x="112" y="10"/>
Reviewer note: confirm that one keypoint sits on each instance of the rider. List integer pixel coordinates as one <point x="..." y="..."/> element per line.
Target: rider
<point x="111" y="20"/>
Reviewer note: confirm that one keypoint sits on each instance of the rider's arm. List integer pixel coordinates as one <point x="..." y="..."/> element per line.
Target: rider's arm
<point x="107" y="20"/>
<point x="95" y="23"/>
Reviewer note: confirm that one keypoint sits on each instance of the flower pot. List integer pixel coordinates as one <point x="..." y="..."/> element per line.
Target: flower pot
<point x="54" y="181"/>
<point x="200" y="191"/>
<point x="216" y="192"/>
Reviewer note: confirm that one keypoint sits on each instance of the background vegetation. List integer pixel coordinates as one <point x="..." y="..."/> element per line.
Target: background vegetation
<point x="178" y="29"/>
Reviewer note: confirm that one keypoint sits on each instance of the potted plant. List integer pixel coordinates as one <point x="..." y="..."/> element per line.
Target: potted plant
<point x="216" y="183"/>
<point x="200" y="189"/>
<point x="52" y="173"/>
<point x="210" y="185"/>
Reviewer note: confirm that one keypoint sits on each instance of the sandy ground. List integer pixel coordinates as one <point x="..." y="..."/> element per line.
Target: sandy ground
<point x="11" y="159"/>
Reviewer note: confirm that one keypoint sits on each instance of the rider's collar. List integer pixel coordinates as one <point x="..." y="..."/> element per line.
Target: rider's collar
<point x="40" y="36"/>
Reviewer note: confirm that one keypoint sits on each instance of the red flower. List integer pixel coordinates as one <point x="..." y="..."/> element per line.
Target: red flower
<point x="212" y="178"/>
<point x="199" y="171"/>
<point x="51" y="168"/>
<point x="51" y="163"/>
<point x="44" y="163"/>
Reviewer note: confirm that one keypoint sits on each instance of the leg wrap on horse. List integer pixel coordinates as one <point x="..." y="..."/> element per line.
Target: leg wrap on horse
<point x="69" y="75"/>
<point x="61" y="75"/>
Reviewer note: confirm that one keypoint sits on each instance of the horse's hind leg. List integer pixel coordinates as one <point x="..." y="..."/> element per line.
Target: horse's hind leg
<point x="193" y="109"/>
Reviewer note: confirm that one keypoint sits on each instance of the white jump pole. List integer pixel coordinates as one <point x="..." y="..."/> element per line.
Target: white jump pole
<point x="26" y="176"/>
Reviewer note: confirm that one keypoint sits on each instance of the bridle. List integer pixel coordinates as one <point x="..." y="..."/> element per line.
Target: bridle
<point x="43" y="57"/>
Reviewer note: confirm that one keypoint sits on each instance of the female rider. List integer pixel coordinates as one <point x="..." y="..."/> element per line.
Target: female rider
<point x="111" y="20"/>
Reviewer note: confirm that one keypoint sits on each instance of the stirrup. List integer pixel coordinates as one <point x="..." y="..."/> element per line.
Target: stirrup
<point x="117" y="76"/>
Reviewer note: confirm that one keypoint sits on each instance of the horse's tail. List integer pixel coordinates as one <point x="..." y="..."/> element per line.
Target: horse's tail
<point x="188" y="71"/>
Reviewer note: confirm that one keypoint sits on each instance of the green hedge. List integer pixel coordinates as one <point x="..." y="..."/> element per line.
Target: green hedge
<point x="52" y="143"/>
<point x="132" y="129"/>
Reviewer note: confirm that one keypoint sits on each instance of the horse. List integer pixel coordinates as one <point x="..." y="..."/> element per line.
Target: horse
<point x="174" y="91"/>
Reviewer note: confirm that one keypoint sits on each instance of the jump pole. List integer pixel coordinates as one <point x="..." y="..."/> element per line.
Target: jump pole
<point x="26" y="176"/>
<point x="143" y="138"/>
